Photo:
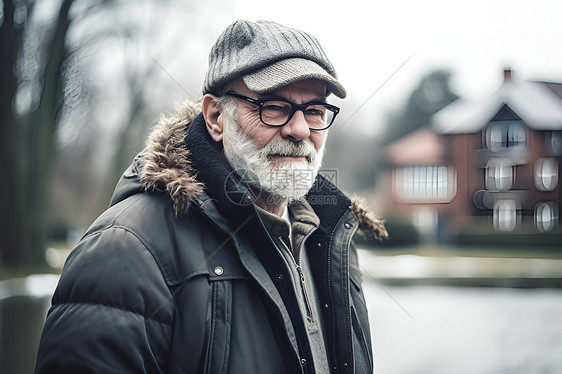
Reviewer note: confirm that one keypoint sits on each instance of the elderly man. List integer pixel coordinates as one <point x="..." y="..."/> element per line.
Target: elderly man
<point x="224" y="250"/>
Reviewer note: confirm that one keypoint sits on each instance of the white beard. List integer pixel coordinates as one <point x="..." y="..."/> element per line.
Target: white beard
<point x="285" y="182"/>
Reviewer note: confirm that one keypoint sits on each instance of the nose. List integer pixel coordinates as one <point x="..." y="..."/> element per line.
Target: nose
<point x="297" y="128"/>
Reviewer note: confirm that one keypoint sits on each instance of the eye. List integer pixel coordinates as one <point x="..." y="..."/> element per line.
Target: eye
<point x="276" y="107"/>
<point x="315" y="111"/>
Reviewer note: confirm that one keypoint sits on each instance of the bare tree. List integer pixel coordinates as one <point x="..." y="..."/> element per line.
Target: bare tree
<point x="26" y="138"/>
<point x="37" y="85"/>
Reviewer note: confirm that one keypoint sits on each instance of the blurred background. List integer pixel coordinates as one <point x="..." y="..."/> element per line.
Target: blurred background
<point x="452" y="131"/>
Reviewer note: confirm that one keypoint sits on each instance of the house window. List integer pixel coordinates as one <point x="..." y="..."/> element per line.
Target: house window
<point x="503" y="135"/>
<point x="505" y="215"/>
<point x="499" y="174"/>
<point x="424" y="183"/>
<point x="556" y="142"/>
<point x="546" y="174"/>
<point x="546" y="216"/>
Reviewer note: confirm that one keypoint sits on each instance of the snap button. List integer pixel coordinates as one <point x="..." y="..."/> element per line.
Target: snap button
<point x="247" y="199"/>
<point x="303" y="362"/>
<point x="280" y="277"/>
<point x="219" y="270"/>
<point x="347" y="225"/>
<point x="319" y="245"/>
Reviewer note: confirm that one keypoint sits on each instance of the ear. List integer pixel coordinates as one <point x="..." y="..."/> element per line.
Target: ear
<point x="213" y="119"/>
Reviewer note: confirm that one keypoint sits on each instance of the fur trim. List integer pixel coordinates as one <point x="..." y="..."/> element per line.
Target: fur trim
<point x="368" y="223"/>
<point x="166" y="165"/>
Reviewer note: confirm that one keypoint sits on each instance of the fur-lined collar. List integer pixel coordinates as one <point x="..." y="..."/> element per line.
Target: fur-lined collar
<point x="167" y="167"/>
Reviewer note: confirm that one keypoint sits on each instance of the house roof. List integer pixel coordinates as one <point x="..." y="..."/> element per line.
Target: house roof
<point x="422" y="146"/>
<point x="538" y="104"/>
<point x="556" y="87"/>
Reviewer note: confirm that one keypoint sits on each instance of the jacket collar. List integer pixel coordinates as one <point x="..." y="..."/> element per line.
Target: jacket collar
<point x="182" y="161"/>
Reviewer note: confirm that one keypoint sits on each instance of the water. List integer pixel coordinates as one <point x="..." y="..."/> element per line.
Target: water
<point x="440" y="329"/>
<point x="433" y="329"/>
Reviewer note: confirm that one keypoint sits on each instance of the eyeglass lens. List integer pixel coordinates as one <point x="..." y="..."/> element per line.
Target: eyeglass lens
<point x="276" y="113"/>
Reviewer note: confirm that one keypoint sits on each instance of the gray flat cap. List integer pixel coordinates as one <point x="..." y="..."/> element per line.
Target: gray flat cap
<point x="267" y="56"/>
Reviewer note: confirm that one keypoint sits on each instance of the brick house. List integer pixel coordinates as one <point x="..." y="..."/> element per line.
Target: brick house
<point x="495" y="162"/>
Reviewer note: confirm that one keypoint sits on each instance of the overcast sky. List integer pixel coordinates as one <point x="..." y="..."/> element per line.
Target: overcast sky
<point x="372" y="41"/>
<point x="380" y="49"/>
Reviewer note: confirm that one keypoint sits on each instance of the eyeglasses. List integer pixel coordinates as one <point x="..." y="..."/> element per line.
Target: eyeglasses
<point x="278" y="112"/>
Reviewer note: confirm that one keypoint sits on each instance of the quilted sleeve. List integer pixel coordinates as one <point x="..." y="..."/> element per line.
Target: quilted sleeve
<point x="112" y="311"/>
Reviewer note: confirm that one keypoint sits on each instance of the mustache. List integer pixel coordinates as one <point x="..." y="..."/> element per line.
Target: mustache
<point x="289" y="148"/>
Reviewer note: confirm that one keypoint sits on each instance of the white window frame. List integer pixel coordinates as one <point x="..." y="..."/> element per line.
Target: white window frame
<point x="546" y="174"/>
<point x="500" y="174"/>
<point x="506" y="215"/>
<point x="546" y="216"/>
<point x="516" y="135"/>
<point x="502" y="135"/>
<point x="424" y="183"/>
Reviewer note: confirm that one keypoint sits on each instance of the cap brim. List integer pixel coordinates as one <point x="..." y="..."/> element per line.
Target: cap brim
<point x="287" y="71"/>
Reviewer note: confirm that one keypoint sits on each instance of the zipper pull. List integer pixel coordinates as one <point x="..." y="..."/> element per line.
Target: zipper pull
<point x="301" y="275"/>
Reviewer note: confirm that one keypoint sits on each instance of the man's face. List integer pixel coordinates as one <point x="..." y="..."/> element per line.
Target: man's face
<point x="285" y="160"/>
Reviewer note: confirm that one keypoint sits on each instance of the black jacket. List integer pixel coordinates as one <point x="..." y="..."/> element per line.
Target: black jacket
<point x="179" y="275"/>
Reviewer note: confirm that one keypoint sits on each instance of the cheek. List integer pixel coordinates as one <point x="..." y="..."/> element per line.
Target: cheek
<point x="248" y="121"/>
<point x="255" y="130"/>
<point x="318" y="138"/>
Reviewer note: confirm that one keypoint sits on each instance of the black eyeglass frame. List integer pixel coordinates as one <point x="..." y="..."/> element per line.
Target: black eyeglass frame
<point x="294" y="108"/>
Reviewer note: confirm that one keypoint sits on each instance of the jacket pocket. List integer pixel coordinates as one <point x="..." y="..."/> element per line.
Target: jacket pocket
<point x="219" y="317"/>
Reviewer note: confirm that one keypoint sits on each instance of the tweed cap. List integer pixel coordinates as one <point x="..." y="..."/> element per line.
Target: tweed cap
<point x="267" y="56"/>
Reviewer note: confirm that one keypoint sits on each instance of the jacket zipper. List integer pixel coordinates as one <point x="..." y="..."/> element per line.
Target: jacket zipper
<point x="302" y="281"/>
<point x="307" y="302"/>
